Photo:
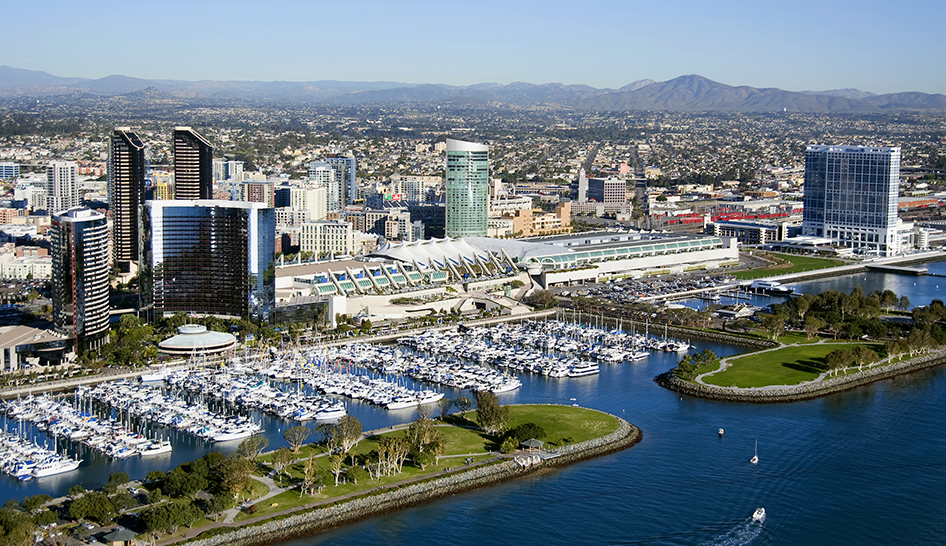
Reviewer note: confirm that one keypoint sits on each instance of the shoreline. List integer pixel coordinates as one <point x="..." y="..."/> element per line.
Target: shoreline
<point x="306" y="522"/>
<point x="807" y="391"/>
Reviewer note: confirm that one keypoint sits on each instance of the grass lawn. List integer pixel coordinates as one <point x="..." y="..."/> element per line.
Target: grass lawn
<point x="577" y="424"/>
<point x="785" y="366"/>
<point x="793" y="264"/>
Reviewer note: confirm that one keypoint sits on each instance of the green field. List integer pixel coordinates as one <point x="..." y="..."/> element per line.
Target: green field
<point x="785" y="366"/>
<point x="794" y="264"/>
<point x="462" y="440"/>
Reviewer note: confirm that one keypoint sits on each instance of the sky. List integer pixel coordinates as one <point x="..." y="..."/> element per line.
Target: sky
<point x="881" y="47"/>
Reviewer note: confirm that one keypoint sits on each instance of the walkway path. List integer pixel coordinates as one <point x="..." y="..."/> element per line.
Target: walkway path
<point x="187" y="534"/>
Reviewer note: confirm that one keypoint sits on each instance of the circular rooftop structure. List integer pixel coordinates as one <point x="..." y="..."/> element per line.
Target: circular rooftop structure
<point x="195" y="339"/>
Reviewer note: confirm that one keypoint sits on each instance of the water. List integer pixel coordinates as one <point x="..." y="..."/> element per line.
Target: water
<point x="866" y="466"/>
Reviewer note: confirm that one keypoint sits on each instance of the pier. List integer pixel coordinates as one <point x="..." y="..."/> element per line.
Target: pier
<point x="884" y="268"/>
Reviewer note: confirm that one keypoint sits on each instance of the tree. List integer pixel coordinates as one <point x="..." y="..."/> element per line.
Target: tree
<point x="33" y="503"/>
<point x="812" y="326"/>
<point x="509" y="445"/>
<point x="313" y="476"/>
<point x="904" y="303"/>
<point x="336" y="461"/>
<point x="118" y="478"/>
<point x="154" y="496"/>
<point x="356" y="473"/>
<point x="444" y="405"/>
<point x="235" y="475"/>
<point x="774" y="325"/>
<point x="345" y="434"/>
<point x="463" y="404"/>
<point x="182" y="483"/>
<point x="76" y="491"/>
<point x="253" y="447"/>
<point x="296" y="436"/>
<point x="838" y="359"/>
<point x="155" y="475"/>
<point x="122" y="501"/>
<point x="94" y="505"/>
<point x="541" y="299"/>
<point x="490" y="415"/>
<point x="281" y="459"/>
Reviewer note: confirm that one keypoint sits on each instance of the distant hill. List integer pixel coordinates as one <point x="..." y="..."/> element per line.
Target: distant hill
<point x="686" y="93"/>
<point x="696" y="93"/>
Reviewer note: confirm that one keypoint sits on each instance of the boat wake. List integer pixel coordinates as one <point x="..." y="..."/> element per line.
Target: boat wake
<point x="743" y="533"/>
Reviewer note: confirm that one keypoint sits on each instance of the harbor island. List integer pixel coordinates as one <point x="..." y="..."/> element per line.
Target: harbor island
<point x="252" y="497"/>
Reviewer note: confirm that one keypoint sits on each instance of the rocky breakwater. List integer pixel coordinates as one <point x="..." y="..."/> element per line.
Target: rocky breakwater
<point x="310" y="522"/>
<point x="805" y="391"/>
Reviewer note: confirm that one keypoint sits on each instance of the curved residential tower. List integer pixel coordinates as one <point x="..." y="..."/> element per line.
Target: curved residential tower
<point x="467" y="189"/>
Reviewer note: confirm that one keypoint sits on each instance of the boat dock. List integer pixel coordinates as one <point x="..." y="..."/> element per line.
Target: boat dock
<point x="917" y="271"/>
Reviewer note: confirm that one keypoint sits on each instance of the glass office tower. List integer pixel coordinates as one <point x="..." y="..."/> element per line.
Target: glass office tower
<point x="851" y="196"/>
<point x="467" y="189"/>
<point x="208" y="257"/>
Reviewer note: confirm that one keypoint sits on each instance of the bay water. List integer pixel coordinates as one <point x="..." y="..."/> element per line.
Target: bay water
<point x="862" y="467"/>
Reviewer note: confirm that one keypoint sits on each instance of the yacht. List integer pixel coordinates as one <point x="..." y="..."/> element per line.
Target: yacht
<point x="583" y="369"/>
<point x="771" y="287"/>
<point x="55" y="465"/>
<point x="759" y="515"/>
<point x="156" y="448"/>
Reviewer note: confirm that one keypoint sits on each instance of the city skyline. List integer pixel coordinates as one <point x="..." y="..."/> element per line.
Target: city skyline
<point x="804" y="46"/>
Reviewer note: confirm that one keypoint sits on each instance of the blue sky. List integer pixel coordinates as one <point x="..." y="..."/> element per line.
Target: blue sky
<point x="801" y="45"/>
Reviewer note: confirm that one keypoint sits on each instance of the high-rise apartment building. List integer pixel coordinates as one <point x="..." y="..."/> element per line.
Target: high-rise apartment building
<point x="344" y="167"/>
<point x="126" y="189"/>
<point x="193" y="165"/>
<point x="851" y="196"/>
<point x="208" y="257"/>
<point x="79" y="248"/>
<point x="62" y="186"/>
<point x="467" y="189"/>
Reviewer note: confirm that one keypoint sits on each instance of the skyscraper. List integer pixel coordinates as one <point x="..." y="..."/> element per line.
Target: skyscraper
<point x="209" y="257"/>
<point x="344" y="167"/>
<point x="193" y="165"/>
<point x="79" y="248"/>
<point x="62" y="188"/>
<point x="851" y="196"/>
<point x="467" y="189"/>
<point x="126" y="190"/>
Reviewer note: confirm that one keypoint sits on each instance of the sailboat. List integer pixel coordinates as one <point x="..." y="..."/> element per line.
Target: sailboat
<point x="755" y="455"/>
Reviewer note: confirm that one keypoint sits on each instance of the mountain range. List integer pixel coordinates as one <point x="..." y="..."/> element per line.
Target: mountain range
<point x="685" y="93"/>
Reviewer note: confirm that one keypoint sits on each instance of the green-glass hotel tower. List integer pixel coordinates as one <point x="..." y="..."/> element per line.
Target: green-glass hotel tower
<point x="467" y="188"/>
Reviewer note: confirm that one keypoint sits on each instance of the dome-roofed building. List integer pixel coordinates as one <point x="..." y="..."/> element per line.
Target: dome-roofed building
<point x="195" y="339"/>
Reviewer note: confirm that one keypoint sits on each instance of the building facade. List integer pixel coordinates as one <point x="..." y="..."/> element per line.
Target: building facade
<point x="193" y="165"/>
<point x="62" y="186"/>
<point x="327" y="237"/>
<point x="851" y="196"/>
<point x="467" y="188"/>
<point x="208" y="257"/>
<point x="9" y="170"/>
<point x="344" y="168"/>
<point x="126" y="189"/>
<point x="79" y="248"/>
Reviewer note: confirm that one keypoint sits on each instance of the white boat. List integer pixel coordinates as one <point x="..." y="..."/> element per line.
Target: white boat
<point x="583" y="369"/>
<point x="755" y="456"/>
<point x="156" y="448"/>
<point x="758" y="515"/>
<point x="639" y="355"/>
<point x="159" y="375"/>
<point x="55" y="465"/>
<point x="771" y="287"/>
<point x="721" y="431"/>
